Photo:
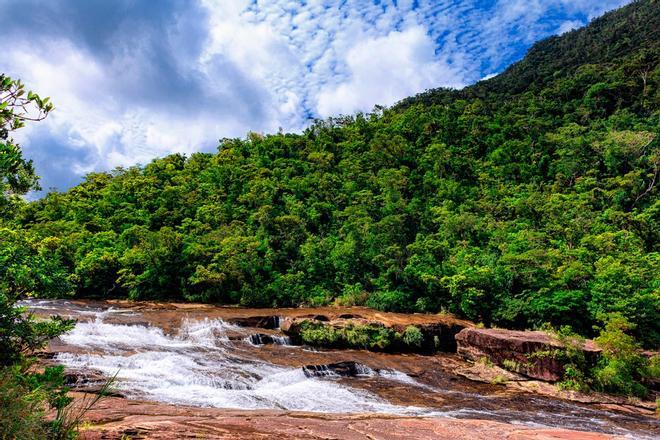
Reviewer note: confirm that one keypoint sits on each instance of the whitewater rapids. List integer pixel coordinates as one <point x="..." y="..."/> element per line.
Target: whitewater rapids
<point x="200" y="366"/>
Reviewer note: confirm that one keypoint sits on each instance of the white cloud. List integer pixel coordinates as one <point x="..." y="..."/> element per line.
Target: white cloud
<point x="88" y="116"/>
<point x="569" y="25"/>
<point x="386" y="69"/>
<point x="145" y="89"/>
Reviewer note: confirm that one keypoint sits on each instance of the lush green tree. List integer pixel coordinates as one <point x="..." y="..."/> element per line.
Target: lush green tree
<point x="17" y="175"/>
<point x="30" y="265"/>
<point x="622" y="367"/>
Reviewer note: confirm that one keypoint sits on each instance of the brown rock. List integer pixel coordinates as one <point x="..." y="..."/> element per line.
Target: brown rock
<point x="118" y="418"/>
<point x="89" y="381"/>
<point x="534" y="354"/>
<point x="80" y="378"/>
<point x="344" y="369"/>
<point x="441" y="333"/>
<point x="291" y="326"/>
<point x="267" y="322"/>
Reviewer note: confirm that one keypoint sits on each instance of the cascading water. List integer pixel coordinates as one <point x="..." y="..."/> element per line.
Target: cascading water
<point x="208" y="362"/>
<point x="199" y="366"/>
<point x="261" y="339"/>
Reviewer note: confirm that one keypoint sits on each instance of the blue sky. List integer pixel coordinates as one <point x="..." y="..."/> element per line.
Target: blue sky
<point x="135" y="79"/>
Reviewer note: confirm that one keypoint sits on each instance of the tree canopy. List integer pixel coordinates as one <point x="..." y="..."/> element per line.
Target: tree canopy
<point x="17" y="175"/>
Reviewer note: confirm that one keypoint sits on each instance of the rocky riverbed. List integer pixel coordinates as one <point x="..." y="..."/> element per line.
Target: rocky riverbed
<point x="224" y="372"/>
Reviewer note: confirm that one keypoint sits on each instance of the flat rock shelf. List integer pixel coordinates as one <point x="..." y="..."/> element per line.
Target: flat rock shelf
<point x="222" y="372"/>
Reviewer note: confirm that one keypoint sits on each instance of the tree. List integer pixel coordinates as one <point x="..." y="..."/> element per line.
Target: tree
<point x="29" y="266"/>
<point x="17" y="175"/>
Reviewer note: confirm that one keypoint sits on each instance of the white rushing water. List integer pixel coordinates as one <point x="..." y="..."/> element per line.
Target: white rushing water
<point x="199" y="366"/>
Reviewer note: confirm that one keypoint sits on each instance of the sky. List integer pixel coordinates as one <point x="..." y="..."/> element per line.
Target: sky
<point x="137" y="79"/>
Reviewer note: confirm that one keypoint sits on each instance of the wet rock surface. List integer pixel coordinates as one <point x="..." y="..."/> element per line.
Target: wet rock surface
<point x="191" y="355"/>
<point x="265" y="339"/>
<point x="267" y="322"/>
<point x="489" y="373"/>
<point x="343" y="369"/>
<point x="89" y="381"/>
<point x="121" y="418"/>
<point x="534" y="354"/>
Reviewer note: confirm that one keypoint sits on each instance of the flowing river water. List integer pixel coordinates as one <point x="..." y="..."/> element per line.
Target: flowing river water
<point x="196" y="358"/>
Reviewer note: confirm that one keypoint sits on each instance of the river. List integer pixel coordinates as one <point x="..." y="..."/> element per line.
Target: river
<point x="192" y="356"/>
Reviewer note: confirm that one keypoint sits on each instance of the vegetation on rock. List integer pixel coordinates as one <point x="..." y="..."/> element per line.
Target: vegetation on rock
<point x="366" y="336"/>
<point x="372" y="337"/>
<point x="621" y="367"/>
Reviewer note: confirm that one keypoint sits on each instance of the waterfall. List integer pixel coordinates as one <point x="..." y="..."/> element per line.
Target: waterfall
<point x="199" y="365"/>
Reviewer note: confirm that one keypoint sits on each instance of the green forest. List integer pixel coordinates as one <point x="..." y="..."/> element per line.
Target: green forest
<point x="526" y="199"/>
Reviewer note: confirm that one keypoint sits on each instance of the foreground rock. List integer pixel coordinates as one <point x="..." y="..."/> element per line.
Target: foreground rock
<point x="534" y="354"/>
<point x="115" y="418"/>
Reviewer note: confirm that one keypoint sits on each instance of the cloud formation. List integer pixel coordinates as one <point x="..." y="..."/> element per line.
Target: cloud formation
<point x="134" y="80"/>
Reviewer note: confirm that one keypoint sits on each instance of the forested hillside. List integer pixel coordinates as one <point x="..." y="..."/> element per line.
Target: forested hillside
<point x="528" y="198"/>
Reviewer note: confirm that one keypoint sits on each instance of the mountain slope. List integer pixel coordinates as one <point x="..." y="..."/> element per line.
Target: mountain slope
<point x="607" y="39"/>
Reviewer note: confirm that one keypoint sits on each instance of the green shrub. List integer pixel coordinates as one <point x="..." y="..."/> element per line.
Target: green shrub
<point x="352" y="295"/>
<point x="576" y="369"/>
<point x="622" y="367"/>
<point x="413" y="336"/>
<point x="25" y="398"/>
<point x="511" y="365"/>
<point x="574" y="379"/>
<point x="21" y="334"/>
<point x="500" y="379"/>
<point x="371" y="337"/>
<point x="21" y="409"/>
<point x="319" y="334"/>
<point x="68" y="418"/>
<point x="653" y="370"/>
<point x="390" y="301"/>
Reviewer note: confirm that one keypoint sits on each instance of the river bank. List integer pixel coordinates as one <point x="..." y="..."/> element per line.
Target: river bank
<point x="173" y="359"/>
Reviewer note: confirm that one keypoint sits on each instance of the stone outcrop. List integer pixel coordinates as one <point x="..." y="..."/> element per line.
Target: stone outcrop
<point x="89" y="381"/>
<point x="438" y="335"/>
<point x="267" y="322"/>
<point x="266" y="339"/>
<point x="343" y="369"/>
<point x="438" y="331"/>
<point x="534" y="354"/>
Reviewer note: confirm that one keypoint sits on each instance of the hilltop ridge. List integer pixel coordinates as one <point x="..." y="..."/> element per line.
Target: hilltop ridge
<point x="607" y="39"/>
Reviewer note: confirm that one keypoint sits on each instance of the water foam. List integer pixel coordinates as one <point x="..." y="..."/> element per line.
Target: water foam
<point x="200" y="365"/>
<point x="197" y="367"/>
<point x="258" y="340"/>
